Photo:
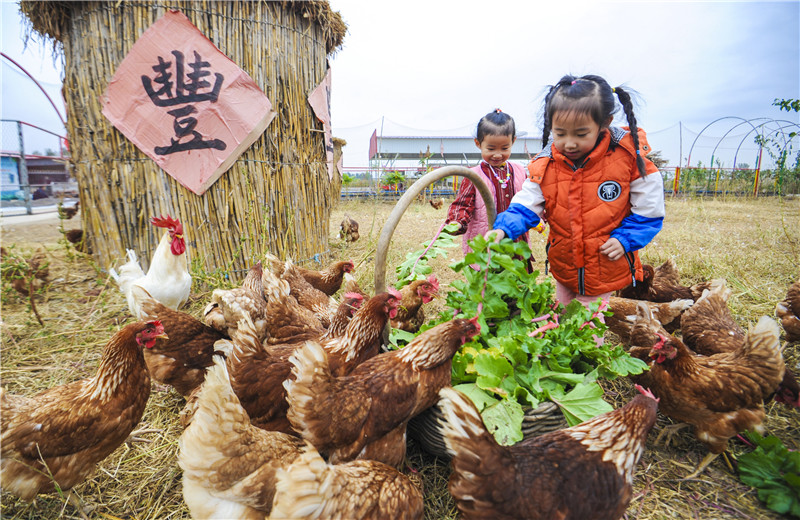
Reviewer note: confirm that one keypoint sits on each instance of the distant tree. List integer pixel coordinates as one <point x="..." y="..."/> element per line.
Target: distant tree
<point x="394" y="178"/>
<point x="790" y="105"/>
<point x="49" y="152"/>
<point x="347" y="179"/>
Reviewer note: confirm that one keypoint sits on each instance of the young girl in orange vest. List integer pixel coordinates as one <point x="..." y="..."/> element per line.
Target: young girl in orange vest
<point x="495" y="136"/>
<point x="602" y="199"/>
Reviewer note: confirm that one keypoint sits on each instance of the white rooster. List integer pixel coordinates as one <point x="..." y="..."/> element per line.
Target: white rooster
<point x="167" y="279"/>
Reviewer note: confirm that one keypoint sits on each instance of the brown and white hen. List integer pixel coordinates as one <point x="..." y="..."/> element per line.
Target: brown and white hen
<point x="580" y="473"/>
<point x="364" y="414"/>
<point x="719" y="395"/>
<point x="56" y="437"/>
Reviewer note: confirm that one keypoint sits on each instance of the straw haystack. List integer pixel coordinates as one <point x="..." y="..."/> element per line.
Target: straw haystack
<point x="277" y="197"/>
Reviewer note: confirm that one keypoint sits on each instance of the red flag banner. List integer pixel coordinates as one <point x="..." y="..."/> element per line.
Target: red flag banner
<point x="320" y="101"/>
<point x="185" y="104"/>
<point x="373" y="144"/>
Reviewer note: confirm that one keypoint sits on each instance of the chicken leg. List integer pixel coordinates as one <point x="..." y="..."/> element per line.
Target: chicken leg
<point x="700" y="467"/>
<point x="670" y="431"/>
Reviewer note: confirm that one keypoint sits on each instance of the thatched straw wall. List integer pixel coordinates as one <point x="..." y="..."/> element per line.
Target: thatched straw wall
<point x="276" y="197"/>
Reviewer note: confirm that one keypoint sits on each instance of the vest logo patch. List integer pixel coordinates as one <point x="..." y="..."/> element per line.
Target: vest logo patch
<point x="609" y="190"/>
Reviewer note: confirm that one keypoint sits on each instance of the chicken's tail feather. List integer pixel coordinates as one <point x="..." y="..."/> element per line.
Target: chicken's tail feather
<point x="217" y="412"/>
<point x="302" y="488"/>
<point x="312" y="380"/>
<point x="275" y="289"/>
<point x="673" y="309"/>
<point x="464" y="433"/>
<point x="762" y="349"/>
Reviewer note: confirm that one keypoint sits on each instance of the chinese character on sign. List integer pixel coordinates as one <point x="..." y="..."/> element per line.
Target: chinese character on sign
<point x="185" y="104"/>
<point x="185" y="93"/>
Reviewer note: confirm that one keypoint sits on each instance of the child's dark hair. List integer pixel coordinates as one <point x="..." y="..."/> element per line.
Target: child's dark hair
<point x="496" y="122"/>
<point x="594" y="96"/>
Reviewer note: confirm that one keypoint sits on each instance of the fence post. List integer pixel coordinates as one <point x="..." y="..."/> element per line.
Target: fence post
<point x="23" y="172"/>
<point x="758" y="173"/>
<point x="676" y="183"/>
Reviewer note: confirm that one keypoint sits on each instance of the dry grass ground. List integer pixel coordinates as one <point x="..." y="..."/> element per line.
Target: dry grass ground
<point x="754" y="244"/>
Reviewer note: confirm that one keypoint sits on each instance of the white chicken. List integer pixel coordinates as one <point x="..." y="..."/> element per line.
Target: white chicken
<point x="167" y="279"/>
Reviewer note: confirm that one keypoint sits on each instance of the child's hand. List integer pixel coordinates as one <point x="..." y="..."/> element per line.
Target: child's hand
<point x="495" y="235"/>
<point x="612" y="249"/>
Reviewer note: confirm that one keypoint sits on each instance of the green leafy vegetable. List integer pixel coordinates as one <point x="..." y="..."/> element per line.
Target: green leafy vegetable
<point x="775" y="472"/>
<point x="416" y="265"/>
<point x="530" y="349"/>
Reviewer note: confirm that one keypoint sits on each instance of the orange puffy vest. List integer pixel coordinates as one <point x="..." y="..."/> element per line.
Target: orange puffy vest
<point x="583" y="206"/>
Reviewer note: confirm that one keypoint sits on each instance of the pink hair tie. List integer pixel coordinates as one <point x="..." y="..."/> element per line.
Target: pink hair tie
<point x="573" y="82"/>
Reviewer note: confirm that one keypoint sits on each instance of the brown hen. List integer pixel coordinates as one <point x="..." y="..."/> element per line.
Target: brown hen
<point x="323" y="306"/>
<point x="56" y="437"/>
<point x="182" y="360"/>
<point x="410" y="315"/>
<point x="229" y="466"/>
<point x="228" y="306"/>
<point x="348" y="229"/>
<point x="257" y="373"/>
<point x="328" y="280"/>
<point x="719" y="395"/>
<point x="788" y="311"/>
<point x="662" y="284"/>
<point x="364" y="414"/>
<point x="624" y="314"/>
<point x="709" y="328"/>
<point x="580" y="473"/>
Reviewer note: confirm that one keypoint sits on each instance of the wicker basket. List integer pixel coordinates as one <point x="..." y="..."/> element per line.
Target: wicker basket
<point x="426" y="427"/>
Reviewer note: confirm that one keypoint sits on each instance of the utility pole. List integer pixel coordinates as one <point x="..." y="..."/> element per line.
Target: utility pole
<point x="23" y="171"/>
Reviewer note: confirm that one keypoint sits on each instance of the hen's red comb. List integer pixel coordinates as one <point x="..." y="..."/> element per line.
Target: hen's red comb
<point x="433" y="281"/>
<point x="661" y="341"/>
<point x="353" y="296"/>
<point x="474" y="320"/>
<point x="157" y="324"/>
<point x="646" y="392"/>
<point x="167" y="222"/>
<point x="395" y="293"/>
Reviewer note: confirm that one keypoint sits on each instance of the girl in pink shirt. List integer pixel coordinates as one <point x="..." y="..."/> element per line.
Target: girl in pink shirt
<point x="495" y="136"/>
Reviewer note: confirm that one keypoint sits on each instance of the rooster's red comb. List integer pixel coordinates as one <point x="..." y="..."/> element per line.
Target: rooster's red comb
<point x="166" y="222"/>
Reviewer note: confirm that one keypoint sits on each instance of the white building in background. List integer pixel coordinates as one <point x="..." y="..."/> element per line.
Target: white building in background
<point x="416" y="152"/>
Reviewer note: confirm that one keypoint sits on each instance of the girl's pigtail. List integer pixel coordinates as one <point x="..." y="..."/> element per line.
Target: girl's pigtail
<point x="547" y="122"/>
<point x="627" y="105"/>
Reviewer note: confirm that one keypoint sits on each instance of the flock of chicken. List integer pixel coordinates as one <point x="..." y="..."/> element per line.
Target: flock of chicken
<point x="293" y="411"/>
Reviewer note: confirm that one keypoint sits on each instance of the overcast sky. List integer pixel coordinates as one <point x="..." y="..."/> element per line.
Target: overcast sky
<point x="435" y="67"/>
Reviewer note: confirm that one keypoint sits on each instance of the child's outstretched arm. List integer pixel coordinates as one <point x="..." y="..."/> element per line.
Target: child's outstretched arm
<point x="462" y="208"/>
<point x="523" y="212"/>
<point x="647" y="213"/>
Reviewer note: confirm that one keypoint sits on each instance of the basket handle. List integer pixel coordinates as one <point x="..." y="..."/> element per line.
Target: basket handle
<point x="410" y="195"/>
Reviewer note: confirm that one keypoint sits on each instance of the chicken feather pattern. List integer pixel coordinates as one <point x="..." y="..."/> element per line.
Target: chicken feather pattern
<point x="229" y="466"/>
<point x="363" y="489"/>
